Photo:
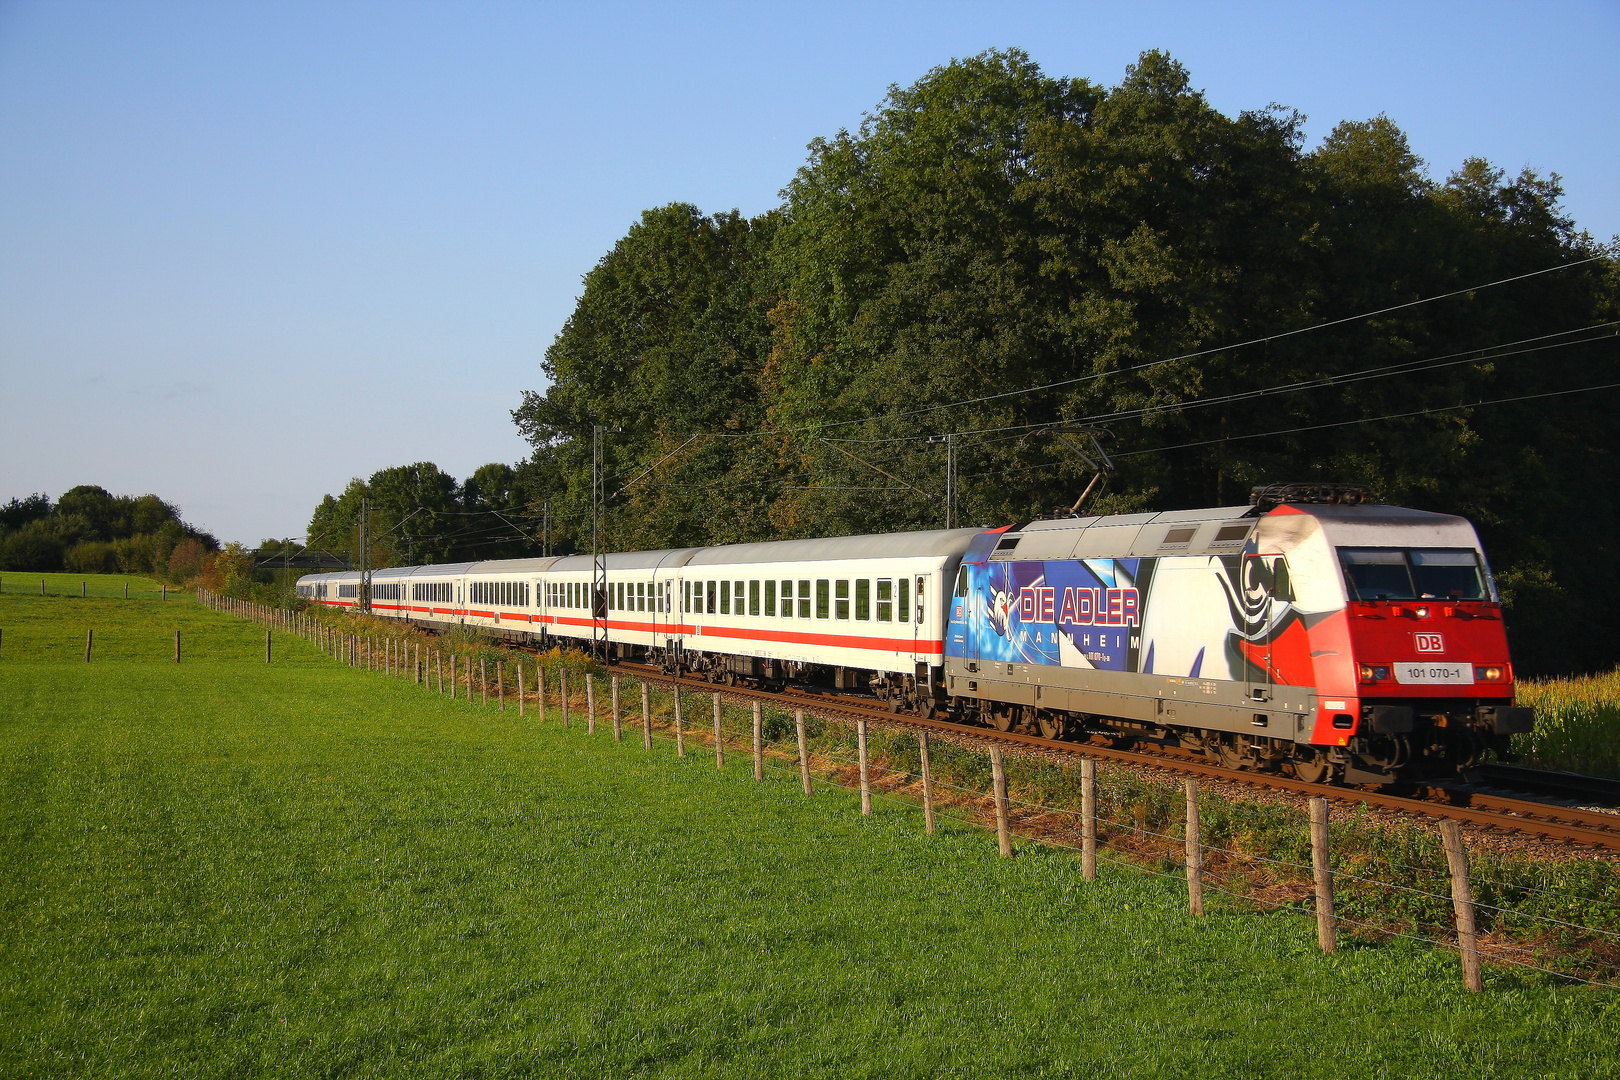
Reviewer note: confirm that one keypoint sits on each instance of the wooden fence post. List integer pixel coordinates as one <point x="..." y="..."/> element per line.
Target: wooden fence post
<point x="177" y="646"/>
<point x="646" y="716"/>
<point x="165" y="592"/>
<point x="126" y="590"/>
<point x="719" y="742"/>
<point x="866" y="775"/>
<point x="520" y="688"/>
<point x="483" y="681"/>
<point x="89" y="636"/>
<point x="804" y="753"/>
<point x="438" y="670"/>
<point x="759" y="744"/>
<point x="562" y="692"/>
<point x="267" y="646"/>
<point x="500" y="683"/>
<point x="540" y="685"/>
<point x="928" y="783"/>
<point x="1088" y="819"/>
<point x="1321" y="868"/>
<point x="680" y="726"/>
<point x="998" y="777"/>
<point x="1462" y="903"/>
<point x="1195" y="853"/>
<point x="613" y="693"/>
<point x="590" y="704"/>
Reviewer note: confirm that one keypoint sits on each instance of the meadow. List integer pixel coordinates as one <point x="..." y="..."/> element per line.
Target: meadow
<point x="228" y="867"/>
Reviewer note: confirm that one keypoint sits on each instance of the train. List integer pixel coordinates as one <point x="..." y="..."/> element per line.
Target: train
<point x="1312" y="632"/>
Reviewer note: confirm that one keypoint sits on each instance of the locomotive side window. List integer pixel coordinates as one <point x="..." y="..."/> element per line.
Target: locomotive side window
<point x="961" y="581"/>
<point x="885" y="600"/>
<point x="804" y="599"/>
<point x="863" y="600"/>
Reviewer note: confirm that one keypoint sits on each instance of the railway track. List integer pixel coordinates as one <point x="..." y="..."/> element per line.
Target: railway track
<point x="1462" y="802"/>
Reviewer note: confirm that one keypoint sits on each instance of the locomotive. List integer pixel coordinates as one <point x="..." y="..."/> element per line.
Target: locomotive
<point x="1311" y="632"/>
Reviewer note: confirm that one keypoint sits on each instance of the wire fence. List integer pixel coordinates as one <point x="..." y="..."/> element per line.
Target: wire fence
<point x="1336" y="886"/>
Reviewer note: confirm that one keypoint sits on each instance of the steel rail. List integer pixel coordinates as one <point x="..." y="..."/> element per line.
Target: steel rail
<point x="1568" y="824"/>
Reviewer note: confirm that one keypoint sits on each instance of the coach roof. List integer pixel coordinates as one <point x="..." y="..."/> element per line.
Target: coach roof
<point x="937" y="543"/>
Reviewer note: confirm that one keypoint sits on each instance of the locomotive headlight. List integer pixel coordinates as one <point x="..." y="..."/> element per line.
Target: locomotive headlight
<point x="1372" y="673"/>
<point x="1421" y="612"/>
<point x="1490" y="672"/>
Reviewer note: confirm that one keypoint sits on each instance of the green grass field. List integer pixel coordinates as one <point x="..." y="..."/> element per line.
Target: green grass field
<point x="95" y="586"/>
<point x="232" y="868"/>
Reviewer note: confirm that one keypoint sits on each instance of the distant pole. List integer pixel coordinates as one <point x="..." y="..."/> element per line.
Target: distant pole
<point x="998" y="781"/>
<point x="646" y="717"/>
<point x="804" y="753"/>
<point x="759" y="744"/>
<point x="618" y="730"/>
<point x="719" y="742"/>
<point x="1322" y="871"/>
<point x="1462" y="902"/>
<point x="928" y="783"/>
<point x="1088" y="819"/>
<point x="680" y="726"/>
<point x="866" y="772"/>
<point x="1195" y="853"/>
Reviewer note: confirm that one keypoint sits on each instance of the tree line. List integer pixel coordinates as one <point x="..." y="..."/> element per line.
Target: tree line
<point x="421" y="514"/>
<point x="90" y="530"/>
<point x="1002" y="255"/>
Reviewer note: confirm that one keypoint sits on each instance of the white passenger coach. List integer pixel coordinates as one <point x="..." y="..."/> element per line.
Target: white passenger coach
<point x="853" y="613"/>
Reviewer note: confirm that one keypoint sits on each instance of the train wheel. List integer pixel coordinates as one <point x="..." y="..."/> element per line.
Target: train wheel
<point x="1001" y="719"/>
<point x="1314" y="770"/>
<point x="1053" y="725"/>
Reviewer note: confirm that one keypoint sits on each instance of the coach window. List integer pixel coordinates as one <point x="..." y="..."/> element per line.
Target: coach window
<point x="920" y="581"/>
<point x="885" y="600"/>
<point x="804" y="599"/>
<point x="725" y="598"/>
<point x="823" y="599"/>
<point x="710" y="604"/>
<point x="903" y="600"/>
<point x="841" y="608"/>
<point x="863" y="599"/>
<point x="770" y="598"/>
<point x="753" y="597"/>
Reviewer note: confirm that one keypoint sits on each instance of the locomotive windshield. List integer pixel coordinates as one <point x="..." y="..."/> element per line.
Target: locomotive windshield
<point x="1402" y="574"/>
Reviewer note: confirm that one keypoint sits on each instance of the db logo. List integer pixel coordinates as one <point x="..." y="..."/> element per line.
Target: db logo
<point x="1429" y="642"/>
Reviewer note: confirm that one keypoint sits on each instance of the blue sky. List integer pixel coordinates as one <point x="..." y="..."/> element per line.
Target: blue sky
<point x="248" y="251"/>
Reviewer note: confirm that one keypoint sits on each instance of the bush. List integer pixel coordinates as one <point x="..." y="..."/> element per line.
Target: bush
<point x="31" y="548"/>
<point x="91" y="557"/>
